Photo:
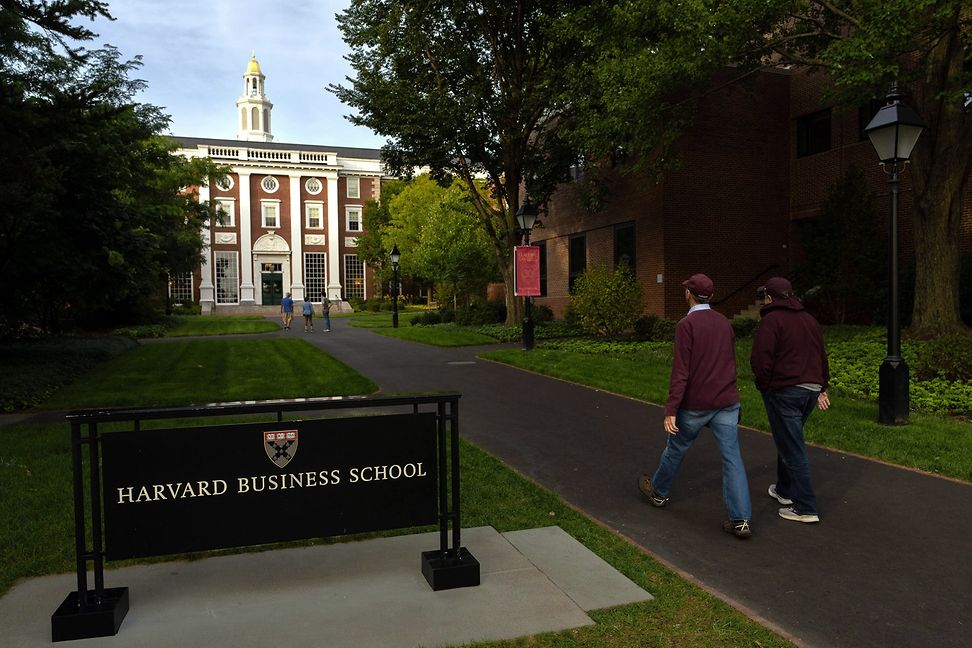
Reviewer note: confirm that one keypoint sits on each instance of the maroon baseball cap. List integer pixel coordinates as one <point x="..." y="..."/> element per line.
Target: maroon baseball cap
<point x="777" y="287"/>
<point x="699" y="285"/>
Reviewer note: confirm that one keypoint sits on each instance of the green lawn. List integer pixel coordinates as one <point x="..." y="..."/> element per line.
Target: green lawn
<point x="443" y="335"/>
<point x="931" y="442"/>
<point x="221" y="325"/>
<point x="205" y="371"/>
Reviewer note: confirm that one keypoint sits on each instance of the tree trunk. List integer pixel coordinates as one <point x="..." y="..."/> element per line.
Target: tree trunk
<point x="514" y="305"/>
<point x="942" y="162"/>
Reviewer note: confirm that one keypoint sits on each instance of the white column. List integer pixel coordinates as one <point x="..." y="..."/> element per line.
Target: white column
<point x="333" y="239"/>
<point x="246" y="241"/>
<point x="296" y="241"/>
<point x="207" y="295"/>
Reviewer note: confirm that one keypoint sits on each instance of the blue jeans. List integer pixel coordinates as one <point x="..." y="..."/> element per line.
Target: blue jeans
<point x="723" y="423"/>
<point x="788" y="409"/>
<point x="327" y="320"/>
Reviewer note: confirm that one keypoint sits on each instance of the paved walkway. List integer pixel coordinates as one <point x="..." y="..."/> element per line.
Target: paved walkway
<point x="890" y="564"/>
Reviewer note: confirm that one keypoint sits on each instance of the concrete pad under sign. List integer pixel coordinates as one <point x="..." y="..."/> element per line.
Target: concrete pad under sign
<point x="367" y="593"/>
<point x="577" y="571"/>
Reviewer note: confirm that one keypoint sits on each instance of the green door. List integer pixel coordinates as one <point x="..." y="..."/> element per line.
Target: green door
<point x="272" y="291"/>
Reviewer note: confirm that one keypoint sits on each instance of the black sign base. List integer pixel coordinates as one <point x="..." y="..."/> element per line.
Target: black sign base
<point x="450" y="569"/>
<point x="102" y="619"/>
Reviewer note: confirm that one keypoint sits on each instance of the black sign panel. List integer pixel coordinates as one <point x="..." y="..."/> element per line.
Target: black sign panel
<point x="192" y="489"/>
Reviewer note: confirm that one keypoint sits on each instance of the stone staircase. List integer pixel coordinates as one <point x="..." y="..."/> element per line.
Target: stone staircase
<point x="751" y="312"/>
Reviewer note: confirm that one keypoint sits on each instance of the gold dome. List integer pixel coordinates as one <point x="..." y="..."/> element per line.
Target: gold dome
<point x="253" y="67"/>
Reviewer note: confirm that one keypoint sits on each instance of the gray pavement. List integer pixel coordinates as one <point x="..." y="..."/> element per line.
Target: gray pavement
<point x="367" y="594"/>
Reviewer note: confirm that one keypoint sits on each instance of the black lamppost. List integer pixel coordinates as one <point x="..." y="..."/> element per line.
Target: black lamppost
<point x="395" y="256"/>
<point x="894" y="131"/>
<point x="526" y="218"/>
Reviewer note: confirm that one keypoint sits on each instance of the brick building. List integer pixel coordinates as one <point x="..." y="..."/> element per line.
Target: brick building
<point x="761" y="155"/>
<point x="287" y="216"/>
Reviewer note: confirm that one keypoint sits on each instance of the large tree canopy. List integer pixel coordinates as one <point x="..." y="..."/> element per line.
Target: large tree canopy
<point x="658" y="58"/>
<point x="471" y="90"/>
<point x="96" y="210"/>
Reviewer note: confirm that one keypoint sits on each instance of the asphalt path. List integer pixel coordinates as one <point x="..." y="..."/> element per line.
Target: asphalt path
<point x="888" y="565"/>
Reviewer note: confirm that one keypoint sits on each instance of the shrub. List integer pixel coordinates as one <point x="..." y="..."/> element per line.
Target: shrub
<point x="663" y="330"/>
<point x="428" y="318"/>
<point x="541" y="314"/>
<point x="644" y="327"/>
<point x="607" y="302"/>
<point x="744" y="326"/>
<point x="480" y="313"/>
<point x="947" y="356"/>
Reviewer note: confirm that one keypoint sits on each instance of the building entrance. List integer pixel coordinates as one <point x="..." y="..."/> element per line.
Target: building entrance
<point x="271" y="282"/>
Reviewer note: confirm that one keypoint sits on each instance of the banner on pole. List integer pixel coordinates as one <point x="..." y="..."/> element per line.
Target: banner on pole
<point x="526" y="271"/>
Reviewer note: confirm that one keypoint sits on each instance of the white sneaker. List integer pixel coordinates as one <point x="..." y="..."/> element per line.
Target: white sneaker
<point x="779" y="498"/>
<point x="789" y="514"/>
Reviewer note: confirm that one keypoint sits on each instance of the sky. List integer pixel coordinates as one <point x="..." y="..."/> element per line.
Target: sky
<point x="194" y="53"/>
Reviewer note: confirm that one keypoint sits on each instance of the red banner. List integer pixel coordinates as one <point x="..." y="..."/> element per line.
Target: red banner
<point x="526" y="271"/>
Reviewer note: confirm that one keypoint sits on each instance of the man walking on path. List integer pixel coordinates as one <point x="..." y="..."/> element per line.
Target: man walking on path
<point x="287" y="310"/>
<point x="326" y="312"/>
<point x="308" y="316"/>
<point x="791" y="370"/>
<point x="702" y="391"/>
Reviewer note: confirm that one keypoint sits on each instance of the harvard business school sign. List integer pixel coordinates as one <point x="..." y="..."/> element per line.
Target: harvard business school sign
<point x="192" y="489"/>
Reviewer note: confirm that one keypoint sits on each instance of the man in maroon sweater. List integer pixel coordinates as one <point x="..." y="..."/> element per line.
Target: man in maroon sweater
<point x="791" y="370"/>
<point x="702" y="391"/>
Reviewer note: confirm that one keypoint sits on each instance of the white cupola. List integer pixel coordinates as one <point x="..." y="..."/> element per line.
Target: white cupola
<point x="253" y="108"/>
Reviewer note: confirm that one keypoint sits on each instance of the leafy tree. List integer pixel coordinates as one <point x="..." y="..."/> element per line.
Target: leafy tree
<point x="844" y="266"/>
<point x="437" y="232"/>
<point x="95" y="213"/>
<point x="470" y="90"/>
<point x="371" y="244"/>
<point x="658" y="59"/>
<point x="607" y="302"/>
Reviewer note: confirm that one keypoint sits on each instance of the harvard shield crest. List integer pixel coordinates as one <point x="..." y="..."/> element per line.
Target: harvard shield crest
<point x="281" y="446"/>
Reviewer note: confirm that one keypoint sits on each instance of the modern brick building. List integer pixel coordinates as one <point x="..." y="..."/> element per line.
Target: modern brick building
<point x="761" y="155"/>
<point x="287" y="216"/>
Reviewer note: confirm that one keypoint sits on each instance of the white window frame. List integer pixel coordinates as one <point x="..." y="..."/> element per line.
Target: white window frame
<point x="353" y="209"/>
<point x="309" y="183"/>
<point x="347" y="279"/>
<point x="319" y="204"/>
<point x="181" y="287"/>
<point x="314" y="261"/>
<point x="228" y="205"/>
<point x="354" y="186"/>
<point x="264" y="204"/>
<point x="270" y="184"/>
<point x="233" y="278"/>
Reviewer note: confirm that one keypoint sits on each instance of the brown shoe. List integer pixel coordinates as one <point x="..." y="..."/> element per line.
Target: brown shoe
<point x="644" y="485"/>
<point x="738" y="528"/>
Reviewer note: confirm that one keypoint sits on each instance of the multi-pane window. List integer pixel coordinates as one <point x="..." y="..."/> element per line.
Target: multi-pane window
<point x="225" y="212"/>
<point x="354" y="277"/>
<point x="315" y="277"/>
<point x="227" y="278"/>
<point x="813" y="133"/>
<point x="354" y="187"/>
<point x="624" y="245"/>
<point x="313" y="186"/>
<point x="314" y="212"/>
<point x="270" y="184"/>
<point x="353" y="219"/>
<point x="226" y="182"/>
<point x="180" y="288"/>
<point x="271" y="213"/>
<point x="576" y="259"/>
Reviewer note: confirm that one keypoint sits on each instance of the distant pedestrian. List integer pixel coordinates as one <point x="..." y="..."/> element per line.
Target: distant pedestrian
<point x="326" y="312"/>
<point x="790" y="366"/>
<point x="308" y="316"/>
<point x="287" y="310"/>
<point x="702" y="391"/>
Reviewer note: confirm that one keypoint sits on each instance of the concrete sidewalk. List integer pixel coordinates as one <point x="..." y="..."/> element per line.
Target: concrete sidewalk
<point x="355" y="594"/>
